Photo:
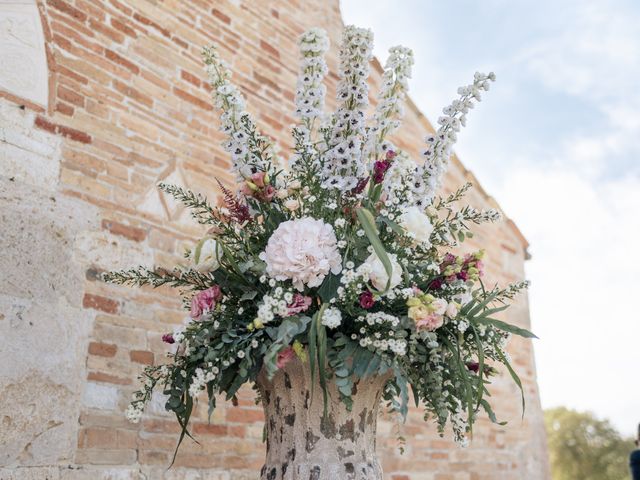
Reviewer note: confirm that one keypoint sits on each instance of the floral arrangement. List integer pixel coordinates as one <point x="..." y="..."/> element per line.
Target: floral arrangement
<point x="342" y="259"/>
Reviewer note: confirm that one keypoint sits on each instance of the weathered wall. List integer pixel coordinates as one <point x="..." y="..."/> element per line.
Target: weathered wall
<point x="124" y="104"/>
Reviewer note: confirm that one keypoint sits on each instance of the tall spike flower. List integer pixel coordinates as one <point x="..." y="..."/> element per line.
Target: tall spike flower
<point x="310" y="91"/>
<point x="343" y="164"/>
<point x="389" y="109"/>
<point x="439" y="146"/>
<point x="246" y="146"/>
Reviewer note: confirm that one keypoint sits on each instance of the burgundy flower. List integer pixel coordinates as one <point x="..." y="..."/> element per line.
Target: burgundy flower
<point x="463" y="275"/>
<point x="391" y="155"/>
<point x="378" y="177"/>
<point x="436" y="284"/>
<point x="168" y="338"/>
<point x="359" y="188"/>
<point x="474" y="367"/>
<point x="366" y="300"/>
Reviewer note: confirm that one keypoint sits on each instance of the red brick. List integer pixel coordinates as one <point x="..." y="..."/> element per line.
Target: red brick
<point x="74" y="134"/>
<point x="141" y="356"/>
<point x="99" y="26"/>
<point x="120" y="60"/>
<point x="70" y="96"/>
<point x="107" y="378"/>
<point x="98" y="302"/>
<point x="45" y="124"/>
<point x="146" y="21"/>
<point x="244" y="415"/>
<point x="221" y="16"/>
<point x="102" y="349"/>
<point x="123" y="27"/>
<point x="270" y="49"/>
<point x="192" y="99"/>
<point x="68" y="9"/>
<point x="64" y="108"/>
<point x="191" y="78"/>
<point x="127" y="231"/>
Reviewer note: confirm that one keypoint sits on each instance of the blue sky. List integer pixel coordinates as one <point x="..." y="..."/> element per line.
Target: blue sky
<point x="557" y="142"/>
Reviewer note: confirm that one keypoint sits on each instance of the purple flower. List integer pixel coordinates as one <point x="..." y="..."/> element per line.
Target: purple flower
<point x="168" y="338"/>
<point x="366" y="300"/>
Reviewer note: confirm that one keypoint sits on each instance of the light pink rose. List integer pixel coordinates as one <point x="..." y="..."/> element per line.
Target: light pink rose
<point x="430" y="322"/>
<point x="205" y="301"/>
<point x="285" y="356"/>
<point x="300" y="303"/>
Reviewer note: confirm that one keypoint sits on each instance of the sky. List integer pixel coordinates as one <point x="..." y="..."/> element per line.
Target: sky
<point x="556" y="141"/>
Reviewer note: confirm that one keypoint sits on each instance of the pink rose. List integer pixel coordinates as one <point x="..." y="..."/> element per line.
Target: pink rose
<point x="205" y="301"/>
<point x="300" y="303"/>
<point x="285" y="356"/>
<point x="430" y="322"/>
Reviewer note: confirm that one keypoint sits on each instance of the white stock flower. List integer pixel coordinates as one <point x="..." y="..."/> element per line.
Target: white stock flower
<point x="303" y="251"/>
<point x="417" y="224"/>
<point x="206" y="254"/>
<point x="378" y="274"/>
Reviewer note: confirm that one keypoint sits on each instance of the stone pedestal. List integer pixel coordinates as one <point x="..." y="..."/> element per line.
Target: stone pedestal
<point x="303" y="445"/>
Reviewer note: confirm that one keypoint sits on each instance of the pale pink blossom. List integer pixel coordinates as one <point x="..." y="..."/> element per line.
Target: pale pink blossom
<point x="285" y="356"/>
<point x="430" y="323"/>
<point x="303" y="251"/>
<point x="205" y="301"/>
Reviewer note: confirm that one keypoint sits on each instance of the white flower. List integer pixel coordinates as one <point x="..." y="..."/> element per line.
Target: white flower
<point x="206" y="254"/>
<point x="292" y="204"/>
<point x="378" y="274"/>
<point x="452" y="310"/>
<point x="303" y="251"/>
<point x="331" y="317"/>
<point x="417" y="224"/>
<point x="440" y="306"/>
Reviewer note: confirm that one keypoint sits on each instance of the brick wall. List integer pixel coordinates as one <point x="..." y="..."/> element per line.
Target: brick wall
<point x="128" y="107"/>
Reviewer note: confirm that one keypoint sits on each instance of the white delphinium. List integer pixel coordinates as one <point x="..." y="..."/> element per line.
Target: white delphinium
<point x="343" y="165"/>
<point x="236" y="122"/>
<point x="310" y="90"/>
<point x="439" y="145"/>
<point x="331" y="318"/>
<point x="389" y="109"/>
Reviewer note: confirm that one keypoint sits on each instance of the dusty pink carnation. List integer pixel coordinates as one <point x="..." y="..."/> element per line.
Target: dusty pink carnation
<point x="204" y="301"/>
<point x="303" y="251"/>
<point x="285" y="356"/>
<point x="300" y="303"/>
<point x="430" y="323"/>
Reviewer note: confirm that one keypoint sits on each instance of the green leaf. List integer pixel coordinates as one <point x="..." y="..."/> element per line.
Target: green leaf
<point x="491" y="413"/>
<point x="507" y="327"/>
<point x="368" y="223"/>
<point x="515" y="378"/>
<point x="329" y="287"/>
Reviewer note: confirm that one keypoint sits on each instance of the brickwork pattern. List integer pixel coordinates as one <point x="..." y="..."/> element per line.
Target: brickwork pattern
<point x="128" y="107"/>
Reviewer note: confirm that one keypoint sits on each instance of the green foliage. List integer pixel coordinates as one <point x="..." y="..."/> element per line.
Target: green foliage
<point x="581" y="446"/>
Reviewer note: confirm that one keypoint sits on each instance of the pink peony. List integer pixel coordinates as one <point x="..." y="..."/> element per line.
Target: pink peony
<point x="258" y="179"/>
<point x="303" y="251"/>
<point x="285" y="356"/>
<point x="300" y="303"/>
<point x="366" y="300"/>
<point x="205" y="301"/>
<point x="430" y="323"/>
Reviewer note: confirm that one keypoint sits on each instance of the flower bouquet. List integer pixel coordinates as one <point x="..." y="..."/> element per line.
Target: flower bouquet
<point x="339" y="264"/>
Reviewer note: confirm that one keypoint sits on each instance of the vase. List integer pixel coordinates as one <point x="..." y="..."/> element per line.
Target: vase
<point x="304" y="445"/>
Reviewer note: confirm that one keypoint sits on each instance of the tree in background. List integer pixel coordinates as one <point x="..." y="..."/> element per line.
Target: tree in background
<point x="581" y="446"/>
